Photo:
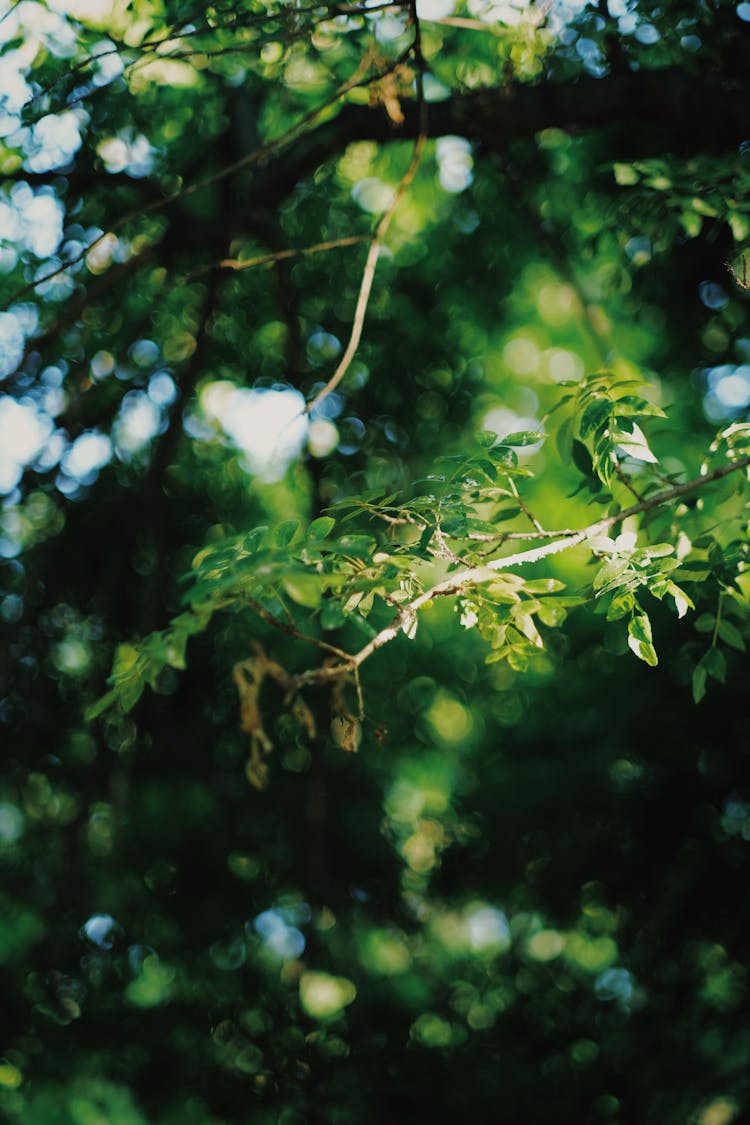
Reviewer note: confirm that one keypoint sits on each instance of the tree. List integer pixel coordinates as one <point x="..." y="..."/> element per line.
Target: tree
<point x="375" y="381"/>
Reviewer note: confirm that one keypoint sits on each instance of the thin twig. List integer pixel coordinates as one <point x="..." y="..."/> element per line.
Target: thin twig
<point x="248" y="160"/>
<point x="371" y="261"/>
<point x="394" y="521"/>
<point x="277" y="256"/>
<point x="280" y="255"/>
<point x="293" y="631"/>
<point x="525" y="509"/>
<point x="360" y="697"/>
<point x="625" y="480"/>
<point x="10" y="10"/>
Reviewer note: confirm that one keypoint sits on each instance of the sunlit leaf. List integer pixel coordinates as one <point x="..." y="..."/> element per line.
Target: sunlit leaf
<point x="360" y="546"/>
<point x="320" y="527"/>
<point x="304" y="589"/>
<point x="285" y="532"/>
<point x="523" y="437"/>
<point x="594" y="416"/>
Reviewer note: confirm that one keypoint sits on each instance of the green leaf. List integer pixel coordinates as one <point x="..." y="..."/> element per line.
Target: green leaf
<point x="175" y="649"/>
<point x="366" y="603"/>
<point x="682" y="602"/>
<point x="620" y="606"/>
<point x="125" y="659"/>
<point x="456" y="526"/>
<point x="486" y="467"/>
<point x="693" y="570"/>
<point x="304" y="589"/>
<point x="705" y="623"/>
<point x="486" y="438"/>
<point x="320" y="528"/>
<point x="640" y="641"/>
<point x="625" y="175"/>
<point x="703" y="207"/>
<point x="715" y="664"/>
<point x="332" y="616"/>
<point x="483" y="527"/>
<point x="692" y="224"/>
<point x="360" y="546"/>
<point x="739" y="225"/>
<point x="639" y="627"/>
<point x="636" y="450"/>
<point x="524" y="437"/>
<point x="503" y="456"/>
<point x="524" y="622"/>
<point x="96" y="709"/>
<point x="731" y="635"/>
<point x="254" y="539"/>
<point x="612" y="573"/>
<point x="424" y="540"/>
<point x="594" y="416"/>
<point x="564" y="441"/>
<point x="582" y="458"/>
<point x="632" y="406"/>
<point x="543" y="586"/>
<point x="551" y="614"/>
<point x="644" y="651"/>
<point x="655" y="551"/>
<point x="129" y="692"/>
<point x="711" y="664"/>
<point x="506" y="514"/>
<point x="518" y="658"/>
<point x="285" y="532"/>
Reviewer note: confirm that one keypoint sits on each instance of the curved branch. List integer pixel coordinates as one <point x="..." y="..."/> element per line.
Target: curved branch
<point x="667" y="110"/>
<point x="368" y="274"/>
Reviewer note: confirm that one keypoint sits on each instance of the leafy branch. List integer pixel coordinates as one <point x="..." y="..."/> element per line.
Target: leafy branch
<point x="337" y="578"/>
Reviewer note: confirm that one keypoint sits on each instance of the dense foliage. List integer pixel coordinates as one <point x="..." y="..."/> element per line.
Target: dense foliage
<point x="374" y="448"/>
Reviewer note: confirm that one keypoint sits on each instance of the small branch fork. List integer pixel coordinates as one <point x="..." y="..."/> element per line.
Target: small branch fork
<point x="350" y="663"/>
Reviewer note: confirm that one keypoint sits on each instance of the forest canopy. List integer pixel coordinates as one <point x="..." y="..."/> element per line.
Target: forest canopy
<point x="374" y="448"/>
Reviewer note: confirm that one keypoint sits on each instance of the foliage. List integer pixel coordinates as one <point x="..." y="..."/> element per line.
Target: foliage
<point x="374" y="442"/>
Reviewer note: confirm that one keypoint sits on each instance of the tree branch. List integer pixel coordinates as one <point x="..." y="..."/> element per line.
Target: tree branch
<point x="476" y="575"/>
<point x="257" y="157"/>
<point x="675" y="111"/>
<point x="667" y="110"/>
<point x="368" y="274"/>
<point x="292" y="630"/>
<point x="276" y="256"/>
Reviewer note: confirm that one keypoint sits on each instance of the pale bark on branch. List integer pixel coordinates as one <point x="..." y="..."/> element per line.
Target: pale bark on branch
<point x="462" y="580"/>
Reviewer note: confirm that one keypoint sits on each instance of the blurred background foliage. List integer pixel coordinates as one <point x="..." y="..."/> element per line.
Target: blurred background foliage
<point x="523" y="899"/>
